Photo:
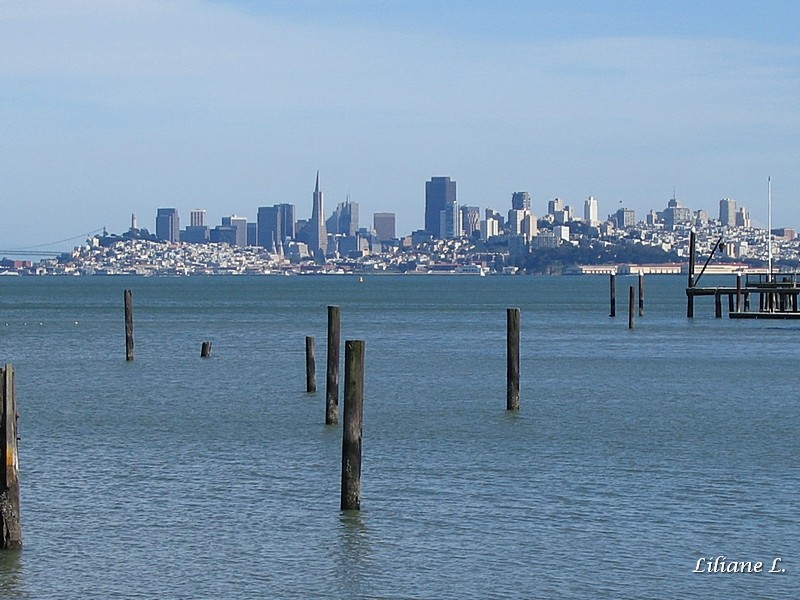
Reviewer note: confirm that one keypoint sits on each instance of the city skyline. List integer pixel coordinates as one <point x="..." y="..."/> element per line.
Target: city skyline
<point x="276" y="226"/>
<point x="113" y="108"/>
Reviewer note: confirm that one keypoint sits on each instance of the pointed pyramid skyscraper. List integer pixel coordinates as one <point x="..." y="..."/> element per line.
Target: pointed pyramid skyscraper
<point x="318" y="238"/>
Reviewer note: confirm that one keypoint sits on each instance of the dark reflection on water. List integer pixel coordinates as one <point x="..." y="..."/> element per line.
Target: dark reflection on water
<point x="12" y="584"/>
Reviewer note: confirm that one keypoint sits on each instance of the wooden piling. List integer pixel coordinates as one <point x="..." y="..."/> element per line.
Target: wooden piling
<point x="718" y="304"/>
<point x="641" y="294"/>
<point x="631" y="299"/>
<point x="10" y="526"/>
<point x="512" y="359"/>
<point x="205" y="350"/>
<point x="128" y="325"/>
<point x="332" y="379"/>
<point x="731" y="307"/>
<point x="352" y="429"/>
<point x="689" y="295"/>
<point x="612" y="291"/>
<point x="311" y="365"/>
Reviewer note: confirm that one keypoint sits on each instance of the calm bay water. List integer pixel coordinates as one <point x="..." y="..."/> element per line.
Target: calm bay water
<point x="635" y="453"/>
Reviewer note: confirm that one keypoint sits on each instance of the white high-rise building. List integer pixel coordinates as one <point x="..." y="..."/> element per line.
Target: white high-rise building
<point x="591" y="212"/>
<point x="197" y="217"/>
<point x="490" y="228"/>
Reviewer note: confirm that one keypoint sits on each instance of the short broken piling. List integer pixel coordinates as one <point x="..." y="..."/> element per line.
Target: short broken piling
<point x="352" y="428"/>
<point x="205" y="350"/>
<point x="311" y="365"/>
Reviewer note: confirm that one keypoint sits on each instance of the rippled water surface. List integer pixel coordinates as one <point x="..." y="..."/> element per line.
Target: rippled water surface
<point x="635" y="453"/>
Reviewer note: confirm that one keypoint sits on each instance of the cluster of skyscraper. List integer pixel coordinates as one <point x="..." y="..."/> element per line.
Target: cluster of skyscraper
<point x="278" y="231"/>
<point x="445" y="219"/>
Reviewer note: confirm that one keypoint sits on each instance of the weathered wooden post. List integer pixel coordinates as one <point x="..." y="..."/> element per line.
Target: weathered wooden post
<point x="717" y="304"/>
<point x="205" y="350"/>
<point x="128" y="325"/>
<point x="332" y="379"/>
<point x="612" y="291"/>
<point x="641" y="294"/>
<point x="10" y="527"/>
<point x="512" y="359"/>
<point x="311" y="365"/>
<point x="738" y="292"/>
<point x="631" y="299"/>
<point x="352" y="429"/>
<point x="731" y="307"/>
<point x="689" y="293"/>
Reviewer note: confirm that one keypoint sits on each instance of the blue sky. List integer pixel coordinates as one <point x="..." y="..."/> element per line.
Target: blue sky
<point x="113" y="108"/>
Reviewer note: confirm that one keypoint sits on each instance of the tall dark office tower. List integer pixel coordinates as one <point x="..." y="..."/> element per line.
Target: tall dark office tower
<point x="520" y="201"/>
<point x="384" y="225"/>
<point x="288" y="225"/>
<point x="275" y="225"/>
<point x="318" y="236"/>
<point x="168" y="227"/>
<point x="270" y="230"/>
<point x="727" y="212"/>
<point x="439" y="193"/>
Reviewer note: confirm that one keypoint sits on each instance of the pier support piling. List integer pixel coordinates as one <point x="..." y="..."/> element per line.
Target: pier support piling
<point x="631" y="300"/>
<point x="352" y="428"/>
<point x="128" y="325"/>
<point x="689" y="295"/>
<point x="641" y="294"/>
<point x="311" y="365"/>
<point x="10" y="526"/>
<point x="612" y="292"/>
<point x="512" y="358"/>
<point x="332" y="378"/>
<point x="718" y="304"/>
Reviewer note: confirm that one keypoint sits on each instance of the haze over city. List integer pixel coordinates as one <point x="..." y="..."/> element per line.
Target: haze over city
<point x="118" y="108"/>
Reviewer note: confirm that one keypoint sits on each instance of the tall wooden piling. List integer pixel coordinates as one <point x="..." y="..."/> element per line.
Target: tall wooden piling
<point x="10" y="526"/>
<point x="631" y="300"/>
<point x="332" y="379"/>
<point x="718" y="304"/>
<point x="311" y="365"/>
<point x="205" y="350"/>
<point x="512" y="359"/>
<point x="641" y="294"/>
<point x="612" y="293"/>
<point x="352" y="429"/>
<point x="128" y="325"/>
